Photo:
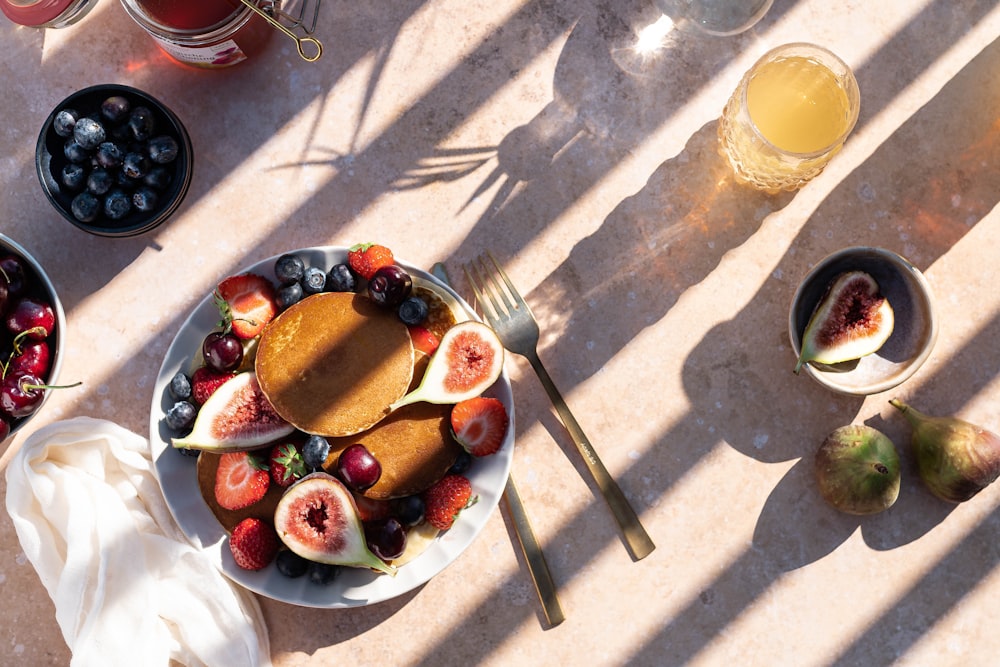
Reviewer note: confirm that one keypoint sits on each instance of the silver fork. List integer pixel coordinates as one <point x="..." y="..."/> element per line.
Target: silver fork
<point x="509" y="315"/>
<point x="538" y="568"/>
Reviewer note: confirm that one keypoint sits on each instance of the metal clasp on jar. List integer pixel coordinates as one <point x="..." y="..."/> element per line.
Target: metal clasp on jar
<point x="297" y="22"/>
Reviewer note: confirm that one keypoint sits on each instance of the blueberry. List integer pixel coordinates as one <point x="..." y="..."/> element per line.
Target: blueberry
<point x="123" y="181"/>
<point x="74" y="152"/>
<point x="163" y="149"/>
<point x="157" y="178"/>
<point x="141" y="123"/>
<point x="315" y="451"/>
<point x="145" y="199"/>
<point x="135" y="165"/>
<point x="409" y="510"/>
<point x="180" y="386"/>
<point x="99" y="182"/>
<point x="89" y="133"/>
<point x="291" y="564"/>
<point x="321" y="573"/>
<point x="73" y="176"/>
<point x="64" y="122"/>
<point x="85" y="207"/>
<point x="413" y="310"/>
<point x="180" y="416"/>
<point x="313" y="280"/>
<point x="109" y="155"/>
<point x="340" y="279"/>
<point x="289" y="295"/>
<point x="117" y="205"/>
<point x="115" y="109"/>
<point x="462" y="463"/>
<point x="289" y="269"/>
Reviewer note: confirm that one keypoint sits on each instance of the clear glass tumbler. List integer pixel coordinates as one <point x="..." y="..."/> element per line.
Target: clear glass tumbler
<point x="790" y="114"/>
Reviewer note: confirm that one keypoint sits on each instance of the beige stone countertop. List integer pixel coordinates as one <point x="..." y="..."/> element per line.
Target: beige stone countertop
<point x="445" y="128"/>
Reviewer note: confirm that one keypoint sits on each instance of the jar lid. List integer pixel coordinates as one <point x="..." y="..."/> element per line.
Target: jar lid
<point x="36" y="13"/>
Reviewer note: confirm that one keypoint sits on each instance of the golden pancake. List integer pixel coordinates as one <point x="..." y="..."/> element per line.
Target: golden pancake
<point x="333" y="363"/>
<point x="413" y="445"/>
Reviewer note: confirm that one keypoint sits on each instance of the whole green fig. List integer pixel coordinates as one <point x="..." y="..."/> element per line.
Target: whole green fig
<point x="857" y="470"/>
<point x="955" y="459"/>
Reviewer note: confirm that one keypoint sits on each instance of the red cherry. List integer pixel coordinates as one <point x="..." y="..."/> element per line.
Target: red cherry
<point x="33" y="358"/>
<point x="222" y="351"/>
<point x="4" y="429"/>
<point x="32" y="316"/>
<point x="20" y="394"/>
<point x="13" y="275"/>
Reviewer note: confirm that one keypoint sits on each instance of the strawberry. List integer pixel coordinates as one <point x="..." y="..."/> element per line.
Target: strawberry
<point x="205" y="381"/>
<point x="247" y="303"/>
<point x="240" y="481"/>
<point x="446" y="498"/>
<point x="286" y="464"/>
<point x="367" y="258"/>
<point x="254" y="544"/>
<point x="479" y="425"/>
<point x="424" y="339"/>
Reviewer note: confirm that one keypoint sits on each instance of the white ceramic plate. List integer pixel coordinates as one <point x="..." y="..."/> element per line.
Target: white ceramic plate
<point x="354" y="587"/>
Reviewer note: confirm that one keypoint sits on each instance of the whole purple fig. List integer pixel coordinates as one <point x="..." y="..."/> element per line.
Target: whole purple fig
<point x="955" y="459"/>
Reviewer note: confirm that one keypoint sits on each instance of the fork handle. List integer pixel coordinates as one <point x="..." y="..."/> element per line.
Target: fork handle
<point x="636" y="538"/>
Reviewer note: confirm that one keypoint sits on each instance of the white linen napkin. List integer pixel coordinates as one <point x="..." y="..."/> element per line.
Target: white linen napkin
<point x="128" y="588"/>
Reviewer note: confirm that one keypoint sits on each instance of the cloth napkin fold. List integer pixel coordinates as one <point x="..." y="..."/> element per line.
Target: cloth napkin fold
<point x="128" y="587"/>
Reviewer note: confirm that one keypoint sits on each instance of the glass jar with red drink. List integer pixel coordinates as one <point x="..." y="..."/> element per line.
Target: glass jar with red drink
<point x="202" y="33"/>
<point x="46" y="13"/>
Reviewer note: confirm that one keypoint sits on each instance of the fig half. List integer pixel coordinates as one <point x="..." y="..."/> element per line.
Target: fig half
<point x="852" y="320"/>
<point x="857" y="469"/>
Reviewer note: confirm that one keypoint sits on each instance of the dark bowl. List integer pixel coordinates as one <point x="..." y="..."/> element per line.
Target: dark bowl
<point x="913" y="335"/>
<point x="40" y="287"/>
<point x="50" y="160"/>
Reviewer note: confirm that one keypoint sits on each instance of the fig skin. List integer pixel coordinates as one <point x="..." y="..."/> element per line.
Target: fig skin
<point x="955" y="459"/>
<point x="851" y="321"/>
<point x="857" y="470"/>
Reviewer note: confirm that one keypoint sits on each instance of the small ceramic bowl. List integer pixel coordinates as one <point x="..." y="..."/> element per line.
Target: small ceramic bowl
<point x="913" y="335"/>
<point x="39" y="287"/>
<point x="168" y="188"/>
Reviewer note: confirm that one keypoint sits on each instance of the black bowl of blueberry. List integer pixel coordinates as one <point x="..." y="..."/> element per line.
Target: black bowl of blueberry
<point x="113" y="160"/>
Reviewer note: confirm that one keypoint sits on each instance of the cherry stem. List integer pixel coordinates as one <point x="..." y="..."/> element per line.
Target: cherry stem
<point x="32" y="386"/>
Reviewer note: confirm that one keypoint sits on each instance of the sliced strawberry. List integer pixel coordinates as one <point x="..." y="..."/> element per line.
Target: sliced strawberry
<point x="479" y="425"/>
<point x="205" y="381"/>
<point x="424" y="339"/>
<point x="254" y="544"/>
<point x="367" y="258"/>
<point x="446" y="498"/>
<point x="286" y="464"/>
<point x="240" y="481"/>
<point x="247" y="303"/>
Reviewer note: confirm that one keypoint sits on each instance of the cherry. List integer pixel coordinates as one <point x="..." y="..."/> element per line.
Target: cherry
<point x="33" y="317"/>
<point x="386" y="538"/>
<point x="32" y="358"/>
<point x="22" y="393"/>
<point x="358" y="467"/>
<point x="4" y="429"/>
<point x="389" y="286"/>
<point x="223" y="352"/>
<point x="14" y="276"/>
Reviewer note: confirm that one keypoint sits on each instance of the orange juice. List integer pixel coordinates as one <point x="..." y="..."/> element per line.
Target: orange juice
<point x="798" y="104"/>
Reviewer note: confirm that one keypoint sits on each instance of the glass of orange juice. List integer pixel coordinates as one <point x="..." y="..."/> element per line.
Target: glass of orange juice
<point x="790" y="114"/>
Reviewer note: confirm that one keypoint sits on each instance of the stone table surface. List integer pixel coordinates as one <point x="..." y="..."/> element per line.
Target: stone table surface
<point x="529" y="127"/>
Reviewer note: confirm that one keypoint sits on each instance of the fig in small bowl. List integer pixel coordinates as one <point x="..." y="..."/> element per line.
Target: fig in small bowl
<point x="862" y="321"/>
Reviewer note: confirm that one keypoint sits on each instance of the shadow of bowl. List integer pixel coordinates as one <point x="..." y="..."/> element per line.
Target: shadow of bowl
<point x="913" y="335"/>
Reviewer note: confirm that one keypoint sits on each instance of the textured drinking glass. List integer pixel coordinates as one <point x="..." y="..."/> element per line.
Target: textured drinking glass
<point x="790" y="114"/>
<point x="717" y="17"/>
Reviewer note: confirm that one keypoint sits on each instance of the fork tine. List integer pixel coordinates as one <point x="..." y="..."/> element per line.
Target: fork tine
<point x="485" y="301"/>
<point x="518" y="301"/>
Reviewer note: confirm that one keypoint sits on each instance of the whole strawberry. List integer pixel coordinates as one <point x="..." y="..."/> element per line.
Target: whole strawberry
<point x="286" y="464"/>
<point x="204" y="382"/>
<point x="254" y="544"/>
<point x="446" y="498"/>
<point x="367" y="258"/>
